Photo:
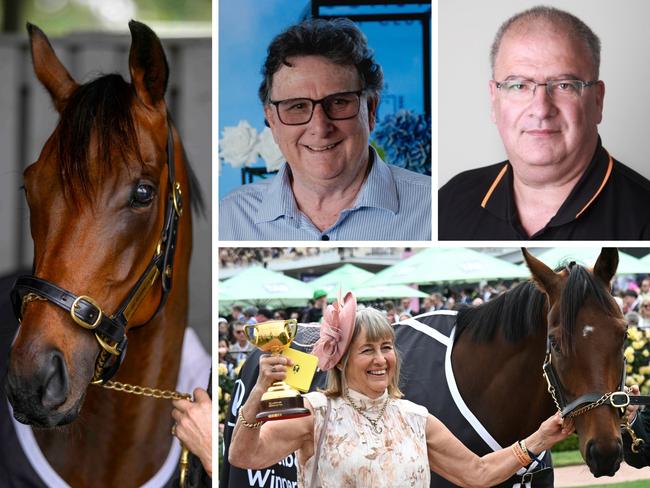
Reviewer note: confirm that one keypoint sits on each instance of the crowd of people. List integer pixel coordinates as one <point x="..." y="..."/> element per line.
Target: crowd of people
<point x="632" y="295"/>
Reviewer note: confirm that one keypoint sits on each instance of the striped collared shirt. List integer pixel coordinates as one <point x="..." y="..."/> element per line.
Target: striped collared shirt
<point x="393" y="204"/>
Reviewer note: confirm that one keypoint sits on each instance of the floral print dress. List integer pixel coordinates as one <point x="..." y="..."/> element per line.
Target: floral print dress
<point x="354" y="455"/>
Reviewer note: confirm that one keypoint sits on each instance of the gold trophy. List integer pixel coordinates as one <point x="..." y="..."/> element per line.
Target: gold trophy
<point x="280" y="401"/>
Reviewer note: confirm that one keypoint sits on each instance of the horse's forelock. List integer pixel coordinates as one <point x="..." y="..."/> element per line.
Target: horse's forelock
<point x="581" y="285"/>
<point x="100" y="108"/>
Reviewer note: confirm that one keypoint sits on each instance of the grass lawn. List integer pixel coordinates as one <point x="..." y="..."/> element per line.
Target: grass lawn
<point x="567" y="458"/>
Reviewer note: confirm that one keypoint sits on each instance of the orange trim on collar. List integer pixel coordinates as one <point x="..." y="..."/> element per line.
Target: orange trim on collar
<point x="494" y="185"/>
<point x="610" y="165"/>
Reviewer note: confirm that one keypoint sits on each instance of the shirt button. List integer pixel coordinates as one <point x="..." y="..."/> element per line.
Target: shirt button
<point x="324" y="237"/>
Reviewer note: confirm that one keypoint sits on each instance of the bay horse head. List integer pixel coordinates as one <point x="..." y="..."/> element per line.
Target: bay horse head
<point x="584" y="363"/>
<point x="105" y="200"/>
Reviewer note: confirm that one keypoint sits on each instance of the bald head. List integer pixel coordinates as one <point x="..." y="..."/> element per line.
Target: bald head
<point x="551" y="20"/>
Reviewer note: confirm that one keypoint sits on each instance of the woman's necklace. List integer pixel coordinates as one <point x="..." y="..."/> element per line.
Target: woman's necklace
<point x="373" y="422"/>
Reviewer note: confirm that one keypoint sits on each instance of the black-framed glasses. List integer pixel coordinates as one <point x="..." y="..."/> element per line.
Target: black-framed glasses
<point x="524" y="90"/>
<point x="299" y="111"/>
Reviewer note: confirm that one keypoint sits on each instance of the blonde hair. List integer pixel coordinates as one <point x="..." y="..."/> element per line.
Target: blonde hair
<point x="377" y="328"/>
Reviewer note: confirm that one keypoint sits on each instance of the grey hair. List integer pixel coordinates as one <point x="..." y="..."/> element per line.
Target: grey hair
<point x="556" y="17"/>
<point x="377" y="328"/>
<point x="338" y="40"/>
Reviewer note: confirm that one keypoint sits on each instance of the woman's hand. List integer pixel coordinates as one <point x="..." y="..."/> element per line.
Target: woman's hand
<point x="550" y="432"/>
<point x="194" y="426"/>
<point x="272" y="368"/>
<point x="631" y="410"/>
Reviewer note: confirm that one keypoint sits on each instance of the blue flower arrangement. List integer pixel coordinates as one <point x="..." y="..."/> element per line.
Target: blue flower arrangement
<point x="405" y="140"/>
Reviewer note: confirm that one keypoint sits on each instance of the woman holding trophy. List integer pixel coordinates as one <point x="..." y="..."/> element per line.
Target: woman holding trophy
<point x="360" y="432"/>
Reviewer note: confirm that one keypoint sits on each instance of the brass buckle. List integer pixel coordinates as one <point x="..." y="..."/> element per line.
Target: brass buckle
<point x="176" y="198"/>
<point x="623" y="402"/>
<point x="106" y="346"/>
<point x="81" y="322"/>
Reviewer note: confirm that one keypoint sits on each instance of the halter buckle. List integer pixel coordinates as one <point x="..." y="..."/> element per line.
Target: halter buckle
<point x="619" y="399"/>
<point x="75" y="306"/>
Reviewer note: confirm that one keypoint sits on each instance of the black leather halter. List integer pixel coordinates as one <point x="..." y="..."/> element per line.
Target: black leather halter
<point x="110" y="331"/>
<point x="617" y="399"/>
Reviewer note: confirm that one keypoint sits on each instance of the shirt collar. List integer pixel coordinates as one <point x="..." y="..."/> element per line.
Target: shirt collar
<point x="278" y="200"/>
<point x="379" y="190"/>
<point x="499" y="199"/>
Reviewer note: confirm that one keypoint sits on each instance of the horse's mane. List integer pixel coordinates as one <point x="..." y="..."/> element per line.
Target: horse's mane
<point x="516" y="312"/>
<point x="520" y="311"/>
<point x="101" y="108"/>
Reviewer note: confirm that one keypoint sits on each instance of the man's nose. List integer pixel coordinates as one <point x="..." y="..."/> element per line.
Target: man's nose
<point x="320" y="123"/>
<point x="542" y="104"/>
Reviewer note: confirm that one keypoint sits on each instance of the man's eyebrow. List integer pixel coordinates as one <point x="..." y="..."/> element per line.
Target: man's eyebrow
<point x="561" y="76"/>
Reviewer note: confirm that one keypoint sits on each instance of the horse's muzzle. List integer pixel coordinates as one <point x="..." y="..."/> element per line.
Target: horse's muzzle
<point x="604" y="459"/>
<point x="37" y="399"/>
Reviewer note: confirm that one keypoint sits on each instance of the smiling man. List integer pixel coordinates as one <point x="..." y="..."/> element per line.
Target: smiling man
<point x="320" y="94"/>
<point x="559" y="182"/>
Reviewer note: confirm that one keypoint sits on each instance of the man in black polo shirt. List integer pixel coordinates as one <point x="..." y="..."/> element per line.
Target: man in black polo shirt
<point x="559" y="181"/>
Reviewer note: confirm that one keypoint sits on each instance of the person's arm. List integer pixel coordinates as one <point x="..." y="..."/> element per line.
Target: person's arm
<point x="639" y="421"/>
<point x="258" y="446"/>
<point x="451" y="459"/>
<point x="194" y="426"/>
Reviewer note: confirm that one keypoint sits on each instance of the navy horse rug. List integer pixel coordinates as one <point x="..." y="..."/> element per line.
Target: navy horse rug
<point x="425" y="345"/>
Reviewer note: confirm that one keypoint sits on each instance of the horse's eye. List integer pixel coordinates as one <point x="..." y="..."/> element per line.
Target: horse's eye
<point x="143" y="195"/>
<point x="554" y="343"/>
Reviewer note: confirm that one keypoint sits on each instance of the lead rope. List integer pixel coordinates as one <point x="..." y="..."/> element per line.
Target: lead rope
<point x="147" y="391"/>
<point x="636" y="441"/>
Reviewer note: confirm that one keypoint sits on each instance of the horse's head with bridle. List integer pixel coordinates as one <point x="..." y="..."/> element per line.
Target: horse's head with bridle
<point x="584" y="365"/>
<point x="106" y="200"/>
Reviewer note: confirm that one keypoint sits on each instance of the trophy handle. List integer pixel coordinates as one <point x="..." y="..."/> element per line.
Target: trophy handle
<point x="292" y="324"/>
<point x="250" y="332"/>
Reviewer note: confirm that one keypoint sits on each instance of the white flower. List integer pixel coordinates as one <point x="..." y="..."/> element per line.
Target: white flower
<point x="269" y="150"/>
<point x="238" y="145"/>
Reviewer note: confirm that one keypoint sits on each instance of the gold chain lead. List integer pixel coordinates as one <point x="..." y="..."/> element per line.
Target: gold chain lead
<point x="146" y="391"/>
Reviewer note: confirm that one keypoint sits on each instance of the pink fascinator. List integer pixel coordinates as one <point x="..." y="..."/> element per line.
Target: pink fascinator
<point x="336" y="331"/>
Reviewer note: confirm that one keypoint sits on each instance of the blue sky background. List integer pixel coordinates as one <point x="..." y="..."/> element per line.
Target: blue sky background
<point x="246" y="27"/>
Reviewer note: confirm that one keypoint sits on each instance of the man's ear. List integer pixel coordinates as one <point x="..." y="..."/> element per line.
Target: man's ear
<point x="270" y="120"/>
<point x="373" y="103"/>
<point x="492" y="86"/>
<point x="600" y="98"/>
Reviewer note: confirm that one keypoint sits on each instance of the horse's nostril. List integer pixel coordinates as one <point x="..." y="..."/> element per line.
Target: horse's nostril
<point x="55" y="381"/>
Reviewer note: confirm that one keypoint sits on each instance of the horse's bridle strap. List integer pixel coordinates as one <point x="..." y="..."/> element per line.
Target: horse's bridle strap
<point x="84" y="310"/>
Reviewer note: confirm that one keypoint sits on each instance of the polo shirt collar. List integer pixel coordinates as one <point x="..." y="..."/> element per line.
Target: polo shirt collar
<point x="499" y="199"/>
<point x="379" y="191"/>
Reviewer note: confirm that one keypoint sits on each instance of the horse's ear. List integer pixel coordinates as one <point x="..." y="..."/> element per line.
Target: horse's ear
<point x="49" y="69"/>
<point x="606" y="264"/>
<point x="147" y="65"/>
<point x="544" y="277"/>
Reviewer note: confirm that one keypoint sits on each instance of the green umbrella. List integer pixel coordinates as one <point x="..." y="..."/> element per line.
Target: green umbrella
<point x="447" y="265"/>
<point x="260" y="286"/>
<point x="586" y="256"/>
<point x="346" y="277"/>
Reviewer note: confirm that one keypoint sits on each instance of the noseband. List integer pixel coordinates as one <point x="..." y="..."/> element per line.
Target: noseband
<point x="110" y="331"/>
<point x="617" y="399"/>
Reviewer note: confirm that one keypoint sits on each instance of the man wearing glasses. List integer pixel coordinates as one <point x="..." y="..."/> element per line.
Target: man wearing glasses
<point x="559" y="181"/>
<point x="320" y="94"/>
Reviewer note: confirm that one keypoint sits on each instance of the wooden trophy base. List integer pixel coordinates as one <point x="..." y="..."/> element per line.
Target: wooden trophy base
<point x="281" y="402"/>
